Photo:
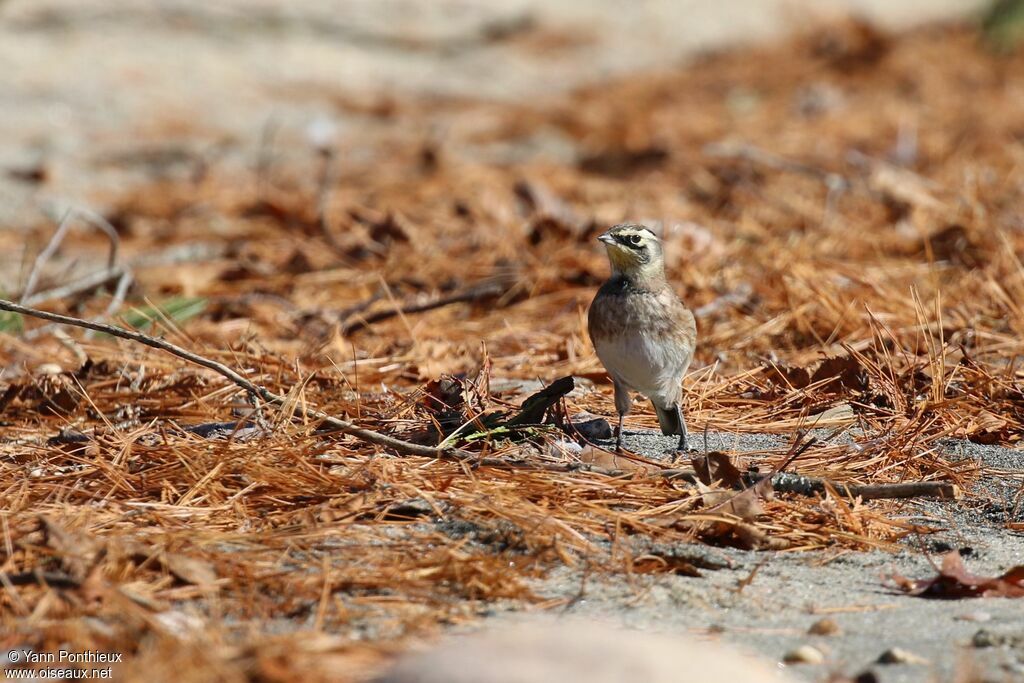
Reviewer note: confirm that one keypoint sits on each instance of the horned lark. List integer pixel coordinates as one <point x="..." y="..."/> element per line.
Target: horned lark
<point x="642" y="332"/>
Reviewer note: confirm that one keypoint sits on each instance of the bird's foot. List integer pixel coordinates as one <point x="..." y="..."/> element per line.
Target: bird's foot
<point x="682" y="450"/>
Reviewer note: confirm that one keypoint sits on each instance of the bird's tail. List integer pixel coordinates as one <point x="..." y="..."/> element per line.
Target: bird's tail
<point x="668" y="418"/>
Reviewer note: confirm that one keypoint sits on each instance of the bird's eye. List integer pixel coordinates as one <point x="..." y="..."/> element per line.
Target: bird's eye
<point x="634" y="240"/>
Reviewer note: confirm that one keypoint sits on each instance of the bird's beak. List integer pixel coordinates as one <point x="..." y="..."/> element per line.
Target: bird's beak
<point x="606" y="238"/>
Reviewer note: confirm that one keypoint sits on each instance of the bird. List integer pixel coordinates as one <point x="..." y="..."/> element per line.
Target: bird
<point x="642" y="332"/>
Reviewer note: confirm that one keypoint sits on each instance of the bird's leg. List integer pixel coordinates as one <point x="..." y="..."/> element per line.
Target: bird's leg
<point x="682" y="447"/>
<point x="623" y="403"/>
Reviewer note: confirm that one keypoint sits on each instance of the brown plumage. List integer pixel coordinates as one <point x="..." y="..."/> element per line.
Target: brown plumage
<point x="642" y="332"/>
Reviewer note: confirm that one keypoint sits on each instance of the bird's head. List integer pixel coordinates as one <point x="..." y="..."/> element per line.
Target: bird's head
<point x="634" y="251"/>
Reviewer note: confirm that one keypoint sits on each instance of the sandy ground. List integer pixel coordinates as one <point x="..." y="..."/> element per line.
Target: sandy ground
<point x="792" y="591"/>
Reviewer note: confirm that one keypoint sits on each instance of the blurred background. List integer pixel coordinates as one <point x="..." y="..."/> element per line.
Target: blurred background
<point x="95" y="93"/>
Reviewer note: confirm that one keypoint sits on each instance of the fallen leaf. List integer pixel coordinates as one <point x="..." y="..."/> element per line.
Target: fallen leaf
<point x="717" y="467"/>
<point x="190" y="569"/>
<point x="549" y="216"/>
<point x="614" y="461"/>
<point x="786" y="376"/>
<point x="837" y="415"/>
<point x="664" y="564"/>
<point x="901" y="186"/>
<point x="954" y="582"/>
<point x="747" y="503"/>
<point x="842" y="372"/>
<point x="954" y="245"/>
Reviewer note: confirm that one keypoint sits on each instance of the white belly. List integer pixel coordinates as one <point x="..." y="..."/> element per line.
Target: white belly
<point x="654" y="369"/>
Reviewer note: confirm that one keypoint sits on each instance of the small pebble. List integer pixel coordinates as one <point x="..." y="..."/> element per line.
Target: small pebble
<point x="974" y="616"/>
<point x="591" y="427"/>
<point x="805" y="654"/>
<point x="824" y="627"/>
<point x="985" y="638"/>
<point x="897" y="655"/>
<point x="563" y="448"/>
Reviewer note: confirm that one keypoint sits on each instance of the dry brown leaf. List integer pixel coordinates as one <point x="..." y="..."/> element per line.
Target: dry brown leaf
<point x="718" y="467"/>
<point x="614" y="461"/>
<point x="954" y="581"/>
<point x="902" y="185"/>
<point x="192" y="570"/>
<point x="842" y="372"/>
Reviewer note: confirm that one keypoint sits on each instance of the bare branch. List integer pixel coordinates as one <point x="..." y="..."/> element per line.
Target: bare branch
<point x="43" y="256"/>
<point x="59" y="234"/>
<point x="484" y="290"/>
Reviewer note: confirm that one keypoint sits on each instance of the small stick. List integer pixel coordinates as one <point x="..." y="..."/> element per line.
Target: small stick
<point x="787" y="482"/>
<point x="64" y="338"/>
<point x="265" y="155"/>
<point x="43" y="256"/>
<point x="475" y="293"/>
<point x="749" y="579"/>
<point x="328" y="178"/>
<point x="910" y="489"/>
<point x="185" y="253"/>
<point x="55" y="579"/>
<point x="757" y="155"/>
<point x="120" y="292"/>
<point x="737" y="297"/>
<point x="59" y="234"/>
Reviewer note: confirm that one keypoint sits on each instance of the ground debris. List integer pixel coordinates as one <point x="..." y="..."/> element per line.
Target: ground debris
<point x="897" y="655"/>
<point x="825" y="626"/>
<point x="805" y="654"/>
<point x="954" y="581"/>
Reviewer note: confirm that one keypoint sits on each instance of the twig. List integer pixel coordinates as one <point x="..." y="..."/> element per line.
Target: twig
<point x="59" y="234"/>
<point x="756" y="155"/>
<point x="738" y="297"/>
<point x="268" y="396"/>
<point x="120" y="292"/>
<point x="788" y="482"/>
<point x="749" y="579"/>
<point x="329" y="171"/>
<point x="43" y="256"/>
<point x="265" y="154"/>
<point x="346" y="313"/>
<point x="477" y="292"/>
<point x="42" y="578"/>
<point x="82" y="284"/>
<point x="65" y="339"/>
<point x="185" y="253"/>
